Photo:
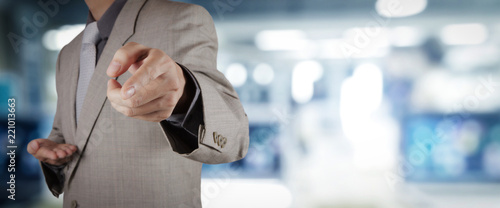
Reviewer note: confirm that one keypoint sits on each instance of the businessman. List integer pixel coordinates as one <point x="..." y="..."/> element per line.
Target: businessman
<point x="140" y="107"/>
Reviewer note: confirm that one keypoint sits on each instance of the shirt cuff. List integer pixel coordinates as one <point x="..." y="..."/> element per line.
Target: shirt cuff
<point x="194" y="116"/>
<point x="57" y="169"/>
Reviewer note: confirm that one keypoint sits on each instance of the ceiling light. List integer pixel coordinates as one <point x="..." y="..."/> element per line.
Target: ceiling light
<point x="281" y="40"/>
<point x="236" y="74"/>
<point x="400" y="8"/>
<point x="464" y="34"/>
<point x="263" y="74"/>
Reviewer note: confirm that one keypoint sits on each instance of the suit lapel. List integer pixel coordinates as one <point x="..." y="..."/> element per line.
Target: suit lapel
<point x="123" y="29"/>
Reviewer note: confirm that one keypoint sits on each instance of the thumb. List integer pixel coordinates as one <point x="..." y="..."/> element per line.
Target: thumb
<point x="33" y="147"/>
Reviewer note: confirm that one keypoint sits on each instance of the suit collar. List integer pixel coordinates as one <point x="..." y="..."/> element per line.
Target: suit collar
<point x="94" y="101"/>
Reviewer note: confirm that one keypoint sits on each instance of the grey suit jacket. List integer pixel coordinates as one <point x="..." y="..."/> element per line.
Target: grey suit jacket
<point x="126" y="162"/>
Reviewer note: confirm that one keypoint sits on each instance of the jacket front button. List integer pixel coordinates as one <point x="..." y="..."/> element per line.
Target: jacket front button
<point x="74" y="204"/>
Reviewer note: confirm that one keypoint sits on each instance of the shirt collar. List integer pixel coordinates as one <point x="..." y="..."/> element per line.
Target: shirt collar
<point x="107" y="21"/>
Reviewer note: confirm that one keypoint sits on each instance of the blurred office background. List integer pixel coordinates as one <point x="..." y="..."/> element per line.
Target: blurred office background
<point x="360" y="103"/>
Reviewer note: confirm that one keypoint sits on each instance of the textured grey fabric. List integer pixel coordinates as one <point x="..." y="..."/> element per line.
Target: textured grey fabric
<point x="88" y="56"/>
<point x="127" y="162"/>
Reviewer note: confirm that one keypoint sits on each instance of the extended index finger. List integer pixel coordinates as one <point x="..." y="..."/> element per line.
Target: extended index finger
<point x="124" y="57"/>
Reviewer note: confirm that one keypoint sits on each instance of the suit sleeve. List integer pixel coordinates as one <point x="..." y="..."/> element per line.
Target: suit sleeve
<point x="223" y="134"/>
<point x="54" y="176"/>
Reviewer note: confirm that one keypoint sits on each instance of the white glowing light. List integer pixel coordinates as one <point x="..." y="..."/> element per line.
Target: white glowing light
<point x="370" y="76"/>
<point x="365" y="42"/>
<point x="400" y="8"/>
<point x="263" y="74"/>
<point x="236" y="74"/>
<point x="373" y="139"/>
<point x="281" y="40"/>
<point x="55" y="40"/>
<point x="303" y="78"/>
<point x="244" y="193"/>
<point x="464" y="34"/>
<point x="360" y="96"/>
<point x="362" y="93"/>
<point x="406" y="36"/>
